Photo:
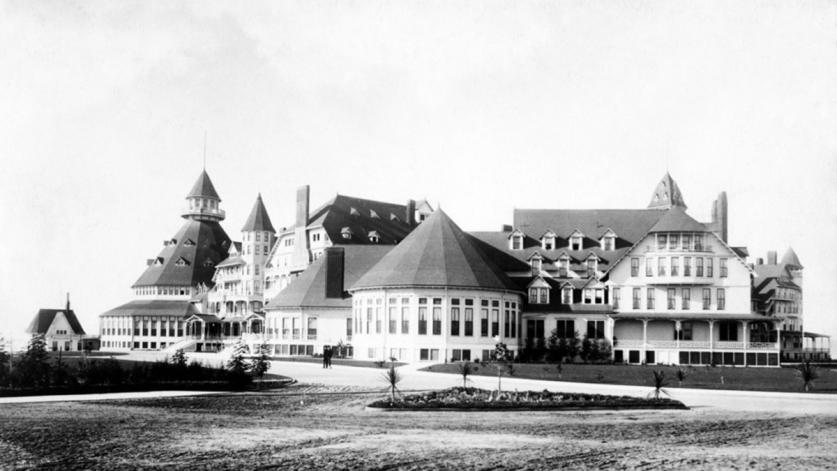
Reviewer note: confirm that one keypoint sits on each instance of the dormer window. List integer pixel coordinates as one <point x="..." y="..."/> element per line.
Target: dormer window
<point x="548" y="241"/>
<point x="516" y="240"/>
<point x="539" y="292"/>
<point x="346" y="233"/>
<point x="567" y="295"/>
<point x="188" y="243"/>
<point x="374" y="237"/>
<point x="564" y="265"/>
<point x="158" y="261"/>
<point x="592" y="266"/>
<point x="354" y="212"/>
<point x="373" y="214"/>
<point x="181" y="262"/>
<point x="576" y="241"/>
<point x="536" y="262"/>
<point x="608" y="241"/>
<point x="393" y="217"/>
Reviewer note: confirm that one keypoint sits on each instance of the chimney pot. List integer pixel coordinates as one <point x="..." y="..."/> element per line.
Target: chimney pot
<point x="772" y="257"/>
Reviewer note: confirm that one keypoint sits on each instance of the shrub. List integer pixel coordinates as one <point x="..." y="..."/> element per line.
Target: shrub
<point x="261" y="363"/>
<point x="392" y="378"/>
<point x="808" y="373"/>
<point x="466" y="369"/>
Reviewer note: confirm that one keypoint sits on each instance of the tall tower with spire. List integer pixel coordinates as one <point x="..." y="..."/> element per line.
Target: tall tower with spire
<point x="203" y="202"/>
<point x="257" y="237"/>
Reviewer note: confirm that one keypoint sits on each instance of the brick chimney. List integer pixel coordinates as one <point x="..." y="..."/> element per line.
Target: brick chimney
<point x="719" y="216"/>
<point x="411" y="213"/>
<point x="302" y="256"/>
<point x="68" y="302"/>
<point x="772" y="257"/>
<point x="334" y="261"/>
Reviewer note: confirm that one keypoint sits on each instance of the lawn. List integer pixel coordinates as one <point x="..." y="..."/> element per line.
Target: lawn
<point x="751" y="379"/>
<point x="312" y="430"/>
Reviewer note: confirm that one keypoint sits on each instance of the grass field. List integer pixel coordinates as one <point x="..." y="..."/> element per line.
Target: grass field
<point x="751" y="379"/>
<point x="310" y="430"/>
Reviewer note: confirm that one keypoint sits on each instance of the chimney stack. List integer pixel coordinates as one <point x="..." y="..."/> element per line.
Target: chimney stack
<point x="507" y="228"/>
<point x="759" y="261"/>
<point x="334" y="262"/>
<point x="301" y="257"/>
<point x="771" y="257"/>
<point x="411" y="213"/>
<point x="68" y="302"/>
<point x="719" y="216"/>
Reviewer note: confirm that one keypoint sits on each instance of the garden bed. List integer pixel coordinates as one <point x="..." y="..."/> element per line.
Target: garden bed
<point x="473" y="399"/>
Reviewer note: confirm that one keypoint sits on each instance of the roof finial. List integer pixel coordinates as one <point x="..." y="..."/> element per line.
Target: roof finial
<point x="204" y="150"/>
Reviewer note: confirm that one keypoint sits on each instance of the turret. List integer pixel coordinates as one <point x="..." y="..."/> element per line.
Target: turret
<point x="667" y="194"/>
<point x="203" y="202"/>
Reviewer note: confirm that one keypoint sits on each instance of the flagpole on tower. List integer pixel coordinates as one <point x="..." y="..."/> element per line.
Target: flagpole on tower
<point x="204" y="150"/>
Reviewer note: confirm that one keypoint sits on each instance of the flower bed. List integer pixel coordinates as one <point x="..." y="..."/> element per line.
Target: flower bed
<point x="481" y="399"/>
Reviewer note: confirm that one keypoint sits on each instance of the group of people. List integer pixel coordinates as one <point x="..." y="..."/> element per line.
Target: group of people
<point x="328" y="352"/>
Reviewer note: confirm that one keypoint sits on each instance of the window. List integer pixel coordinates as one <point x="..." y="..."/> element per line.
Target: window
<point x="405" y="317"/>
<point x="548" y="242"/>
<point x="345" y="233"/>
<point x="484" y="320"/>
<point x="295" y="327"/>
<point x="348" y="328"/>
<point x="699" y="267"/>
<point x="650" y="298"/>
<point x="698" y="242"/>
<point x="517" y="242"/>
<point x="565" y="328"/>
<point x="687" y="266"/>
<point x="587" y="296"/>
<point x="592" y="265"/>
<point x="422" y="316"/>
<point x="709" y="268"/>
<point x="454" y="319"/>
<point x="635" y="266"/>
<point x="649" y="266"/>
<point x="728" y="331"/>
<point x="608" y="242"/>
<point x="424" y="354"/>
<point x="576" y="242"/>
<point x="707" y="298"/>
<point x="507" y="322"/>
<point x="567" y="295"/>
<point x="723" y="268"/>
<point x="722" y="298"/>
<point x="469" y="321"/>
<point x="495" y="320"/>
<point x="599" y="295"/>
<point x="661" y="266"/>
<point x="673" y="241"/>
<point x="563" y="266"/>
<point x="595" y="330"/>
<point x="686" y="298"/>
<point x="662" y="241"/>
<point x="675" y="266"/>
<point x="687" y="241"/>
<point x="616" y="294"/>
<point x="437" y="317"/>
<point x="538" y="295"/>
<point x="368" y="320"/>
<point x="636" y="299"/>
<point x="685" y="331"/>
<point x="374" y="237"/>
<point x="393" y="321"/>
<point x="536" y="262"/>
<point x="312" y="327"/>
<point x="315" y="237"/>
<point x="671" y="297"/>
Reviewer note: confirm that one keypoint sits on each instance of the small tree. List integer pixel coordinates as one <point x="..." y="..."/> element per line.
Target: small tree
<point x="586" y="350"/>
<point x="237" y="366"/>
<point x="681" y="376"/>
<point x="660" y="381"/>
<point x="261" y="363"/>
<point x="179" y="359"/>
<point x="807" y="373"/>
<point x="502" y="363"/>
<point x="33" y="365"/>
<point x="466" y="369"/>
<point x="392" y="378"/>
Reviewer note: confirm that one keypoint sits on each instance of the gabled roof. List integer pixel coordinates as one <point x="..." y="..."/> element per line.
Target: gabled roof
<point x="258" y="220"/>
<point x="203" y="188"/>
<point x="211" y="246"/>
<point x="791" y="260"/>
<point x="667" y="194"/>
<point x="308" y="290"/>
<point x="438" y="253"/>
<point x="44" y="318"/>
<point x="153" y="307"/>
<point x="628" y="224"/>
<point x="676" y="220"/>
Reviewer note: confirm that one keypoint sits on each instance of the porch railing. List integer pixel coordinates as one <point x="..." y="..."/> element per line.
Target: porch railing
<point x="725" y="345"/>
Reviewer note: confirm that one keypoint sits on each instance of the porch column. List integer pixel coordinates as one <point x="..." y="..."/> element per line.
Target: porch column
<point x="711" y="337"/>
<point x="677" y="327"/>
<point x="746" y="337"/>
<point x="644" y="340"/>
<point x="203" y="330"/>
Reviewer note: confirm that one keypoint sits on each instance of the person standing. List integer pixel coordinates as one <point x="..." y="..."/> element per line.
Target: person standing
<point x="326" y="353"/>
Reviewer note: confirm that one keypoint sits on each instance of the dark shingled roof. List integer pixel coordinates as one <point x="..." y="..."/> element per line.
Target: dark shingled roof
<point x="337" y="213"/>
<point x="258" y="219"/>
<point x="203" y="188"/>
<point x="308" y="290"/>
<point x="628" y="224"/>
<point x="43" y="319"/>
<point x="667" y="194"/>
<point x="437" y="253"/>
<point x="676" y="220"/>
<point x="201" y="244"/>
<point x="791" y="259"/>
<point x="153" y="307"/>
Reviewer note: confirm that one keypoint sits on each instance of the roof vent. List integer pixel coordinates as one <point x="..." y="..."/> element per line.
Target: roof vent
<point x="373" y="214"/>
<point x="354" y="212"/>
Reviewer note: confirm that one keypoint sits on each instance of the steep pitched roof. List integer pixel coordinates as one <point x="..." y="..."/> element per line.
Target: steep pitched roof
<point x="44" y="318"/>
<point x="628" y="224"/>
<point x="153" y="307"/>
<point x="676" y="219"/>
<point x="210" y="246"/>
<point x="258" y="219"/>
<point x="338" y="213"/>
<point x="667" y="194"/>
<point x="203" y="188"/>
<point x="437" y="253"/>
<point x="791" y="259"/>
<point x="308" y="290"/>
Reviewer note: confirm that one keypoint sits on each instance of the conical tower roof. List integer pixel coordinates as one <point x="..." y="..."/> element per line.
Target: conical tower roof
<point x="203" y="188"/>
<point x="258" y="219"/>
<point x="667" y="194"/>
<point x="791" y="259"/>
<point x="436" y="254"/>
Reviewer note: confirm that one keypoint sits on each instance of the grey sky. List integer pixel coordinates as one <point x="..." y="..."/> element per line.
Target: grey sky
<point x="481" y="105"/>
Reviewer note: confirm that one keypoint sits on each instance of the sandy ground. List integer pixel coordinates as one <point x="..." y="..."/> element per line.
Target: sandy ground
<point x="301" y="428"/>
